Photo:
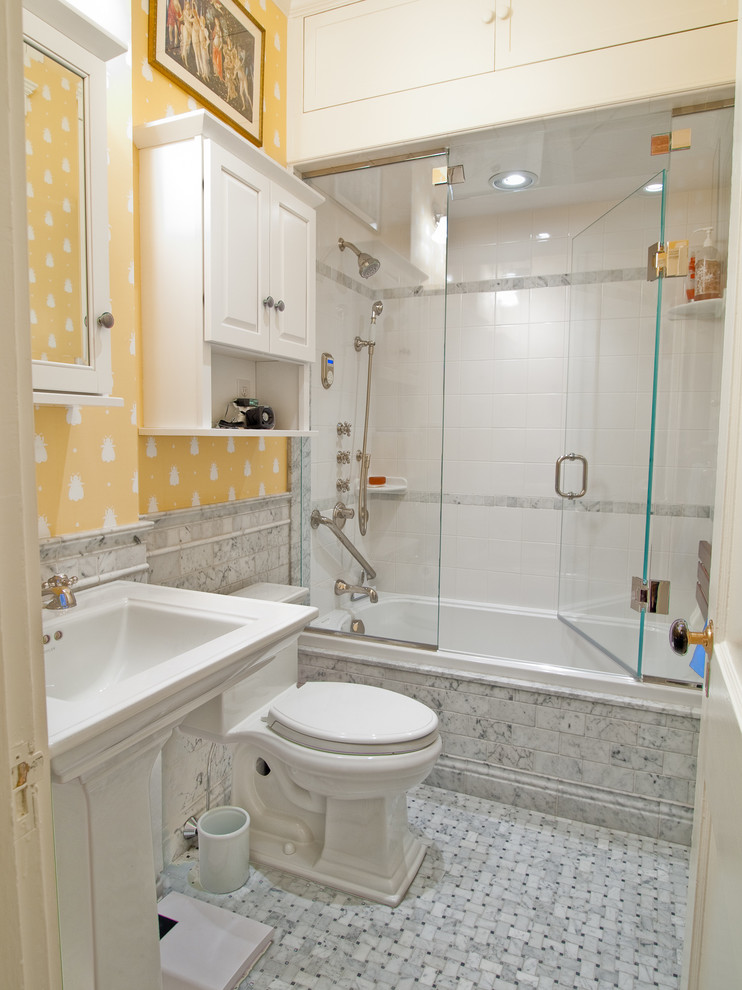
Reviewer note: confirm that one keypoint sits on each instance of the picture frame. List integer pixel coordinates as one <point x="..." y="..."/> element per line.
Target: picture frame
<point x="214" y="50"/>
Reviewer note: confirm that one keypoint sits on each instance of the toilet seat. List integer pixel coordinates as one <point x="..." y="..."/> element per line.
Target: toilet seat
<point x="352" y="718"/>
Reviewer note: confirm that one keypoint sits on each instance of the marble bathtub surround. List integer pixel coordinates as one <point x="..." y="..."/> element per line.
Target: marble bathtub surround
<point x="620" y="763"/>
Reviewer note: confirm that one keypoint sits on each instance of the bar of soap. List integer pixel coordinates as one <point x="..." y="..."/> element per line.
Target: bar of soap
<point x="378" y="479"/>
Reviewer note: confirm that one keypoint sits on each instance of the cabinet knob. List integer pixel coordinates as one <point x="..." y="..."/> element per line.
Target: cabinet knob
<point x="268" y="301"/>
<point x="504" y="10"/>
<point x="106" y="320"/>
<point x="280" y="305"/>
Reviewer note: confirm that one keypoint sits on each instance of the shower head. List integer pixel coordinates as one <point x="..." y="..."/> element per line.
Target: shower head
<point x="376" y="309"/>
<point x="367" y="266"/>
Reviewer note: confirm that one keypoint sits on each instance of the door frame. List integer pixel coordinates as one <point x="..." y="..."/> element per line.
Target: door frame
<point x="29" y="933"/>
<point x="725" y="603"/>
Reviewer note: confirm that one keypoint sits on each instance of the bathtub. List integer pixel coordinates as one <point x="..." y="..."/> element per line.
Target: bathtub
<point x="512" y="643"/>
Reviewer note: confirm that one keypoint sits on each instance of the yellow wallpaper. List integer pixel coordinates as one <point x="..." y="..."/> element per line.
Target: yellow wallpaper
<point x="93" y="469"/>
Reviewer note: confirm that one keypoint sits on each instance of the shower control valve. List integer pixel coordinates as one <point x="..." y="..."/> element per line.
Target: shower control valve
<point x="342" y="484"/>
<point x="343" y="457"/>
<point x="344" y="429"/>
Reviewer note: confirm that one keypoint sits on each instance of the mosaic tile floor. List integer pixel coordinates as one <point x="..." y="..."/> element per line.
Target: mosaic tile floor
<point x="505" y="898"/>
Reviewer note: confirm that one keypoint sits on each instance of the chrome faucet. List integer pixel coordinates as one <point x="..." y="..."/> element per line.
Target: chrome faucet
<point x="59" y="586"/>
<point x="356" y="591"/>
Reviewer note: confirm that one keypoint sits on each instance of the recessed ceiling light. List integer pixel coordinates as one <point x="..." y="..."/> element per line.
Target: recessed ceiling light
<point x="653" y="187"/>
<point x="543" y="236"/>
<point x="513" y="180"/>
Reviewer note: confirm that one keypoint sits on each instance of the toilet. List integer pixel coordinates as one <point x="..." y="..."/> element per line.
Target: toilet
<point x="323" y="771"/>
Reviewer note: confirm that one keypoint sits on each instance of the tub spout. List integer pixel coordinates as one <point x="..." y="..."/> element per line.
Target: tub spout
<point x="359" y="590"/>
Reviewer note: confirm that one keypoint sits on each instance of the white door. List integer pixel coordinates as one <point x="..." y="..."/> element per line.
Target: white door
<point x="293" y="277"/>
<point x="713" y="946"/>
<point x="236" y="251"/>
<point x="535" y="30"/>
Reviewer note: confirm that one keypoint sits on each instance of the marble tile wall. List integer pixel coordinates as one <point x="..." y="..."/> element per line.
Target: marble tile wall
<point x="223" y="547"/>
<point x="628" y="765"/>
<point x="98" y="555"/>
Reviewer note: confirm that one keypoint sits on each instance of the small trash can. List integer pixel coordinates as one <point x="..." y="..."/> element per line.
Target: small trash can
<point x="223" y="849"/>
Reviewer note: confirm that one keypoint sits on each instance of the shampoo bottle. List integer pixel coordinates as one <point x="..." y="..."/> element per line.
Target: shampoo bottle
<point x="708" y="270"/>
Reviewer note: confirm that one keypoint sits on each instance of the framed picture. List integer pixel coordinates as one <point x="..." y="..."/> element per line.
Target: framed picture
<point x="215" y="50"/>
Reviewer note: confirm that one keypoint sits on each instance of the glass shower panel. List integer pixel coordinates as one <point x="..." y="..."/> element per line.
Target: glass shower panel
<point x="688" y="393"/>
<point x="382" y="329"/>
<point x="608" y="442"/>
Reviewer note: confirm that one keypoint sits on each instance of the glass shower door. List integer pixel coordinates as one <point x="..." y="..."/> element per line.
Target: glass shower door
<point x="605" y="473"/>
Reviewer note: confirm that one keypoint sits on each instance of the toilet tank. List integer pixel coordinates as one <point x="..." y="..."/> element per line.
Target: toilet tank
<point x="216" y="717"/>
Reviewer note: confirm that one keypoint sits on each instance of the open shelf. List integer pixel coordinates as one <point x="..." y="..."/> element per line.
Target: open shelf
<point x="164" y="431"/>
<point x="703" y="309"/>
<point x="74" y="399"/>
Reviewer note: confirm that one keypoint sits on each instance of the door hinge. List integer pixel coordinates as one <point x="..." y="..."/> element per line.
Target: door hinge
<point x="650" y="596"/>
<point x="667" y="260"/>
<point x="24" y="775"/>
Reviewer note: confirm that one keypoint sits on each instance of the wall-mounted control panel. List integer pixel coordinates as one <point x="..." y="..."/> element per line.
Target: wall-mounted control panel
<point x="328" y="370"/>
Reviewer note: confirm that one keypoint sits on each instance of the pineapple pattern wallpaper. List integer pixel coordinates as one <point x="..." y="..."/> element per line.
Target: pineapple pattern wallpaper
<point x="93" y="470"/>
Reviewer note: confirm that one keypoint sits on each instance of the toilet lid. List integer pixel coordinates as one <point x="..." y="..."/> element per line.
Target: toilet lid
<point x="352" y="718"/>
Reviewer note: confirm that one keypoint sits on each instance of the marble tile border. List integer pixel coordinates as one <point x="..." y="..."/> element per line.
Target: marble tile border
<point x="605" y="506"/>
<point x="622" y="763"/>
<point x="512" y="284"/>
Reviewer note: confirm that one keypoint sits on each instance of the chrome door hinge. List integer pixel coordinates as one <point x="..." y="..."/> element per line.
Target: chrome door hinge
<point x="650" y="596"/>
<point x="24" y="774"/>
<point x="667" y="260"/>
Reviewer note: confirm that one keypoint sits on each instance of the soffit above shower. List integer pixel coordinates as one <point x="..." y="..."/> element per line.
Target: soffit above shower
<point x="592" y="156"/>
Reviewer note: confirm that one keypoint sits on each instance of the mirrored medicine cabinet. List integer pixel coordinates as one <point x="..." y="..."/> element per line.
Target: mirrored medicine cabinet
<point x="64" y="78"/>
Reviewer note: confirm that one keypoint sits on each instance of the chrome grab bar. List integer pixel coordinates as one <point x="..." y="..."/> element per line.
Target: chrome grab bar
<point x="317" y="520"/>
<point x="558" y="472"/>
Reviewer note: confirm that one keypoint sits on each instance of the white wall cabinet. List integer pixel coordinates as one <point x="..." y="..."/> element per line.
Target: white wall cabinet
<point x="67" y="213"/>
<point x="362" y="50"/>
<point x="373" y="74"/>
<point x="537" y="30"/>
<point x="228" y="276"/>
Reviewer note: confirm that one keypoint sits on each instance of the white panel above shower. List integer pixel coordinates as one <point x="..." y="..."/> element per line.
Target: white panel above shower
<point x="368" y="49"/>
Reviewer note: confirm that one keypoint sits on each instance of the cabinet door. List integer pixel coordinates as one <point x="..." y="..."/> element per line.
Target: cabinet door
<point x="292" y="277"/>
<point x="362" y="50"/>
<point x="236" y="245"/>
<point x="536" y="30"/>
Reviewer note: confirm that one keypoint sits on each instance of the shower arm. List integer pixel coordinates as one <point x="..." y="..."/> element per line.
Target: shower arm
<point x="317" y="520"/>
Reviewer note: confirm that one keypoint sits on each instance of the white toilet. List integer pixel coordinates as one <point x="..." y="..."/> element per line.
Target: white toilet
<point x="323" y="771"/>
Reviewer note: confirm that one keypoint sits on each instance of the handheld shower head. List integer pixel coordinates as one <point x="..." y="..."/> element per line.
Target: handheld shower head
<point x="367" y="266"/>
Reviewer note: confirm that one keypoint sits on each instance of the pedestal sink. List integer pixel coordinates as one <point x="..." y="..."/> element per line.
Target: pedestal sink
<point x="123" y="669"/>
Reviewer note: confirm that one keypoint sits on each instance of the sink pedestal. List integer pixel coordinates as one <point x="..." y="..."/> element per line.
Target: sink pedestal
<point x="106" y="872"/>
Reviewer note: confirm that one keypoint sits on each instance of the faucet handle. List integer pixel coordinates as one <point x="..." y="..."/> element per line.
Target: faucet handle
<point x="60" y="588"/>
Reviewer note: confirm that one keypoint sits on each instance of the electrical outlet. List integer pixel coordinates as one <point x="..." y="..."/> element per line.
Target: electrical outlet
<point x="245" y="388"/>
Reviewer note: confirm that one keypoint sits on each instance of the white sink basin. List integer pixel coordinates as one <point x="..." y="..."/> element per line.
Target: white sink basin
<point x="130" y="656"/>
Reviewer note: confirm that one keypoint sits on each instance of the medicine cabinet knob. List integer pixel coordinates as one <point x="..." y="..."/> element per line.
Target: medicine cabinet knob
<point x="268" y="301"/>
<point x="106" y="320"/>
<point x="280" y="305"/>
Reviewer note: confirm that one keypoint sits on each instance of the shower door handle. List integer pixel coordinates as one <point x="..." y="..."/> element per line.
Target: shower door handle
<point x="558" y="475"/>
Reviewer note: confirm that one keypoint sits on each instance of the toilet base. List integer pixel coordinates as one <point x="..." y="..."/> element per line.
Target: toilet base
<point x="307" y="860"/>
<point x="360" y="844"/>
